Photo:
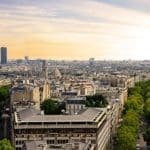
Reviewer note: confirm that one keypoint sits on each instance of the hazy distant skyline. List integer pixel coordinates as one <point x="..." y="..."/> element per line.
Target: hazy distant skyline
<point x="76" y="29"/>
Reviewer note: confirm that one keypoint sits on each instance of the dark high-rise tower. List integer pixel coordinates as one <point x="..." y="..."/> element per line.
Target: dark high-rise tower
<point x="44" y="69"/>
<point x="3" y="55"/>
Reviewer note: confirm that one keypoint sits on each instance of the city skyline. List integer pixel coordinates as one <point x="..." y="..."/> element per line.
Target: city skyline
<point x="67" y="29"/>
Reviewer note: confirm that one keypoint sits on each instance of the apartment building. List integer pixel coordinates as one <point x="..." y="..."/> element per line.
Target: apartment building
<point x="42" y="145"/>
<point x="75" y="104"/>
<point x="25" y="92"/>
<point x="91" y="124"/>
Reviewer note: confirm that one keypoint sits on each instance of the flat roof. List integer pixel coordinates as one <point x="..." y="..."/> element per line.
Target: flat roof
<point x="32" y="115"/>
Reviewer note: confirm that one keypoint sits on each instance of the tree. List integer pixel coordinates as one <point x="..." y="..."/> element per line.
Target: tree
<point x="96" y="101"/>
<point x="145" y="86"/>
<point x="138" y="97"/>
<point x="134" y="90"/>
<point x="147" y="95"/>
<point x="52" y="107"/>
<point x="4" y="95"/>
<point x="4" y="92"/>
<point x="128" y="132"/>
<point x="147" y="109"/>
<point x="135" y="103"/>
<point x="5" y="145"/>
<point x="131" y="119"/>
<point x="147" y="136"/>
<point x="126" y="138"/>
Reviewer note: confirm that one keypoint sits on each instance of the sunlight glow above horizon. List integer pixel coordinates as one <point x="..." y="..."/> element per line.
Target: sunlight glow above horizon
<point x="68" y="29"/>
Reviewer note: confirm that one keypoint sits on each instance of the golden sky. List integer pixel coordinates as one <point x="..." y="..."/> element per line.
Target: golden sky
<point x="68" y="29"/>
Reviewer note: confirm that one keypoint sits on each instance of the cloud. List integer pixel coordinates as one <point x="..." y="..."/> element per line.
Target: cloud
<point x="138" y="5"/>
<point x="78" y="28"/>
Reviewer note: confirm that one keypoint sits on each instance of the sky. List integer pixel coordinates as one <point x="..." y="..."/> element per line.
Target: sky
<point x="76" y="29"/>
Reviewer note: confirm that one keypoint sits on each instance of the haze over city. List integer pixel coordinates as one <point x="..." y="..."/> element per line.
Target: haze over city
<point x="74" y="75"/>
<point x="68" y="29"/>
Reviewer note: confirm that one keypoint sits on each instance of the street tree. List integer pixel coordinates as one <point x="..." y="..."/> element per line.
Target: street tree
<point x="5" y="145"/>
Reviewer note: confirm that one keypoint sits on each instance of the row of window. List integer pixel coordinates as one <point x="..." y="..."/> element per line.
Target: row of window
<point x="19" y="142"/>
<point x="57" y="141"/>
<point x="51" y="131"/>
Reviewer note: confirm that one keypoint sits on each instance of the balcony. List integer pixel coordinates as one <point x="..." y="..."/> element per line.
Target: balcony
<point x="57" y="126"/>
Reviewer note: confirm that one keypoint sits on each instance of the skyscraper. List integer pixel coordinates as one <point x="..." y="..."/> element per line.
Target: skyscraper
<point x="3" y="55"/>
<point x="44" y="69"/>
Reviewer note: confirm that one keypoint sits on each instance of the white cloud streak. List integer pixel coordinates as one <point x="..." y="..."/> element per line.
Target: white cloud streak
<point x="95" y="23"/>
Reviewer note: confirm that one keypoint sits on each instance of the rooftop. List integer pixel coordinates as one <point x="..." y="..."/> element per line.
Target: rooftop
<point x="32" y="115"/>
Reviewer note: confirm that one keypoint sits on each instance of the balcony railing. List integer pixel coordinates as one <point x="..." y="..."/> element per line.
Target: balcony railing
<point x="43" y="126"/>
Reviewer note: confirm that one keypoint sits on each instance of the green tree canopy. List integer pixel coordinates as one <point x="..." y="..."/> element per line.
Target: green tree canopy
<point x="4" y="94"/>
<point x="147" y="109"/>
<point x="138" y="97"/>
<point x="145" y="86"/>
<point x="52" y="107"/>
<point x="126" y="138"/>
<point x="131" y="119"/>
<point x="147" y="135"/>
<point x="135" y="103"/>
<point x="96" y="101"/>
<point x="5" y="145"/>
<point x="135" y="90"/>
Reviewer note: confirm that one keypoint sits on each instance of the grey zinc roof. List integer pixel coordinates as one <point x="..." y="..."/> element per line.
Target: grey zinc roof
<point x="33" y="115"/>
<point x="26" y="113"/>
